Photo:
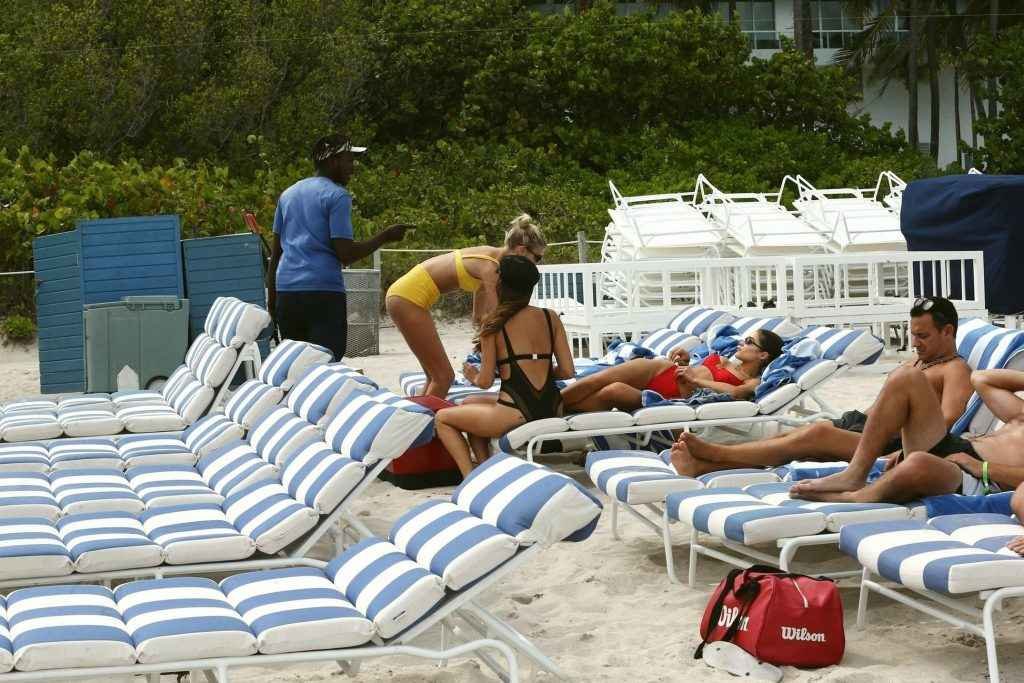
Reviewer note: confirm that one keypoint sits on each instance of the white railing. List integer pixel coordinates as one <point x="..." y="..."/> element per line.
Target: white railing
<point x="602" y="300"/>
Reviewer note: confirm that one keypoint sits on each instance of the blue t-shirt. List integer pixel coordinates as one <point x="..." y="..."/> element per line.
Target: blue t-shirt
<point x="309" y="215"/>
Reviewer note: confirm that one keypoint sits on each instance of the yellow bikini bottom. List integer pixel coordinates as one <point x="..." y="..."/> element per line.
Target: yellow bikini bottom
<point x="416" y="286"/>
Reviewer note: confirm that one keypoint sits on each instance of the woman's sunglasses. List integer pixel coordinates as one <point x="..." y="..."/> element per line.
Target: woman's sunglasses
<point x="750" y="342"/>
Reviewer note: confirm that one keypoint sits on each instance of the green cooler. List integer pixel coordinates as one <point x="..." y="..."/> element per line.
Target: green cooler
<point x="142" y="339"/>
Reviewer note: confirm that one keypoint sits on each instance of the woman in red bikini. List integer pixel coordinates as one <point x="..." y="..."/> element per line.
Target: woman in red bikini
<point x="621" y="386"/>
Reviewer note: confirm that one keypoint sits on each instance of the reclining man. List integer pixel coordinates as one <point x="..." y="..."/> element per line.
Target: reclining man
<point x="936" y="462"/>
<point x="933" y="324"/>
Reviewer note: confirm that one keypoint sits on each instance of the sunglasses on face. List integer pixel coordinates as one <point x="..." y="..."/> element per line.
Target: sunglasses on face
<point x="749" y="341"/>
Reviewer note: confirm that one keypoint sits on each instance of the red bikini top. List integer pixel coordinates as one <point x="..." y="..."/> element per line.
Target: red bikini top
<point x="718" y="373"/>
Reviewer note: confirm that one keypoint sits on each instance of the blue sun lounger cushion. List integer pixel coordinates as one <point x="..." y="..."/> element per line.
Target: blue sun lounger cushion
<point x="139" y="450"/>
<point x="27" y="494"/>
<point x="108" y="541"/>
<point x="208" y="361"/>
<point x="31" y="546"/>
<point x="268" y="515"/>
<point x="26" y="457"/>
<point x="192" y="534"/>
<point x="94" y="490"/>
<point x="528" y="501"/>
<point x="296" y="610"/>
<point x="318" y="392"/>
<point x="920" y="556"/>
<point x="6" y="650"/>
<point x="662" y="341"/>
<point x="167" y="485"/>
<point x="95" y="419"/>
<point x="179" y="619"/>
<point x="369" y="430"/>
<point x="85" y="453"/>
<point x="319" y="478"/>
<point x="210" y="433"/>
<point x="635" y="477"/>
<point x="63" y="627"/>
<point x="695" y="320"/>
<point x="982" y="530"/>
<point x="251" y="401"/>
<point x="289" y="361"/>
<point x="844" y="345"/>
<point x="279" y="434"/>
<point x="25" y="425"/>
<point x="735" y="515"/>
<point x="385" y="585"/>
<point x="451" y="543"/>
<point x="233" y="322"/>
<point x="234" y="465"/>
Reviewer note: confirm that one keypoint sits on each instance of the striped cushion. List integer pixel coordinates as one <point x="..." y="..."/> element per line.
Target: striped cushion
<point x="737" y="478"/>
<point x="208" y="361"/>
<point x="42" y="405"/>
<point x="27" y="495"/>
<point x="167" y="485"/>
<point x="279" y="434"/>
<point x="528" y="501"/>
<point x="296" y="610"/>
<point x="234" y="465"/>
<point x="31" y="547"/>
<point x="984" y="347"/>
<point x="144" y="449"/>
<point x="385" y="585"/>
<point x="94" y="490"/>
<point x="738" y="516"/>
<point x="97" y="398"/>
<point x="108" y="541"/>
<point x="151" y="418"/>
<point x="210" y="433"/>
<point x="845" y="346"/>
<point x="90" y="420"/>
<point x="695" y="320"/>
<point x="268" y="515"/>
<point x="6" y="649"/>
<point x="369" y="430"/>
<point x="290" y="361"/>
<point x="29" y="457"/>
<point x="837" y="515"/>
<point x="193" y="534"/>
<point x="85" y="453"/>
<point x="319" y="392"/>
<point x="319" y="478"/>
<point x="517" y="439"/>
<point x="603" y="419"/>
<point x="664" y="340"/>
<point x="251" y="401"/>
<point x="29" y="426"/>
<point x="178" y="619"/>
<point x="982" y="530"/>
<point x="171" y="389"/>
<point x="63" y="627"/>
<point x="921" y="557"/>
<point x="451" y="543"/>
<point x="635" y="477"/>
<point x="233" y="322"/>
<point x="192" y="401"/>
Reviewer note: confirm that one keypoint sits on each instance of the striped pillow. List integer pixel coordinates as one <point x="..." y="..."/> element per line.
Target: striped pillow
<point x="251" y="401"/>
<point x="385" y="585"/>
<point x="209" y="362"/>
<point x="94" y="490"/>
<point x="280" y="434"/>
<point x="108" y="541"/>
<point x="6" y="649"/>
<point x="27" y="495"/>
<point x="64" y="627"/>
<point x="187" y="618"/>
<point x="210" y="433"/>
<point x="27" y="457"/>
<point x="167" y="485"/>
<point x="367" y="429"/>
<point x="290" y="361"/>
<point x="30" y="547"/>
<point x="191" y="534"/>
<point x="234" y="465"/>
<point x="528" y="501"/>
<point x="85" y="453"/>
<point x="268" y="515"/>
<point x="319" y="478"/>
<point x="451" y="543"/>
<point x="232" y="322"/>
<point x="296" y="610"/>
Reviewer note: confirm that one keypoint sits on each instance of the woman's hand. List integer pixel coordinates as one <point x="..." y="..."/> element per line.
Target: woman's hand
<point x="679" y="356"/>
<point x="470" y="372"/>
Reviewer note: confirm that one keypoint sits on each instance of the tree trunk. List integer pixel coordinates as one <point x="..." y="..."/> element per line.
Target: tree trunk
<point x="993" y="29"/>
<point x="806" y="27"/>
<point x="933" y="82"/>
<point x="913" y="41"/>
<point x="957" y="131"/>
<point x="732" y="10"/>
<point x="972" y="97"/>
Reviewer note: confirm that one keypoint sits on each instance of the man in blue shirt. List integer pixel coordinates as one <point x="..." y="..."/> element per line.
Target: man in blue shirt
<point x="312" y="241"/>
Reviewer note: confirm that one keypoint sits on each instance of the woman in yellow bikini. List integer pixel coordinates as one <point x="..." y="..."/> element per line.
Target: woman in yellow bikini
<point x="473" y="270"/>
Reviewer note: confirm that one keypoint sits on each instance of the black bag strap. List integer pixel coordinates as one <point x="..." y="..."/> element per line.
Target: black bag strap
<point x="746" y="593"/>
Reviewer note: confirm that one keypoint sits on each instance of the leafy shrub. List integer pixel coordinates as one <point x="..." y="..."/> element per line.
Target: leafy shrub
<point x="18" y="328"/>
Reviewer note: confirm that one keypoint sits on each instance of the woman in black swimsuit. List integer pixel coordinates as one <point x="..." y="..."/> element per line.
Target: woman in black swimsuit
<point x="528" y="348"/>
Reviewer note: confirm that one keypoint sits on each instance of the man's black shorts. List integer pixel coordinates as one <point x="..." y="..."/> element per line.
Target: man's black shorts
<point x="317" y="317"/>
<point x="854" y="421"/>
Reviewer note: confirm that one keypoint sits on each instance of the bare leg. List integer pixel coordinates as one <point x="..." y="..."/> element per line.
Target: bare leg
<point x="1017" y="503"/>
<point x="818" y="441"/>
<point x="689" y="466"/>
<point x="919" y="475"/>
<point x="481" y="447"/>
<point x="635" y="373"/>
<point x="616" y="395"/>
<point x="907" y="403"/>
<point x="420" y="334"/>
<point x="482" y="421"/>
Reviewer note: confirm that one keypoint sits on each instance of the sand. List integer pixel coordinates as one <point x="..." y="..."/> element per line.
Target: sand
<point x="605" y="610"/>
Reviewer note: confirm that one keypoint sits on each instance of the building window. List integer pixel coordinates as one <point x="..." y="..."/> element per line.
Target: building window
<point x="757" y="21"/>
<point x="902" y="22"/>
<point x="831" y="26"/>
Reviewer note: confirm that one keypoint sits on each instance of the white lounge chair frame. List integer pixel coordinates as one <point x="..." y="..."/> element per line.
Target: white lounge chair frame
<point x="495" y="633"/>
<point x="853" y="218"/>
<point x="889" y="190"/>
<point x="946" y="609"/>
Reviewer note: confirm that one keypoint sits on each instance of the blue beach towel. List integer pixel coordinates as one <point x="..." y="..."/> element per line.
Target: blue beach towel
<point x="955" y="504"/>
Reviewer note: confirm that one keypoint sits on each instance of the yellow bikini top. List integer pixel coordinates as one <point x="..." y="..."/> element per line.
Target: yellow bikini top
<point x="467" y="282"/>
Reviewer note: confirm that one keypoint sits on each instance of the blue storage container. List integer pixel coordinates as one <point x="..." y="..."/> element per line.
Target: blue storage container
<point x="229" y="265"/>
<point x="59" y="312"/>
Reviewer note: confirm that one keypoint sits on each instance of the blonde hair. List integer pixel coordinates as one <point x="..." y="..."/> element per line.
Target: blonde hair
<point x="522" y="231"/>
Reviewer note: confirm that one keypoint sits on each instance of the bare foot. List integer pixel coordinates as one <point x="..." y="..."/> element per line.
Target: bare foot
<point x="698" y="447"/>
<point x="1017" y="545"/>
<point x="682" y="461"/>
<point x="826" y="496"/>
<point x="834" y="483"/>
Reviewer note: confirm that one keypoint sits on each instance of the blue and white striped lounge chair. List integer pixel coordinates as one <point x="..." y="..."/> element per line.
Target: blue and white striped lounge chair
<point x="197" y="386"/>
<point x="375" y="599"/>
<point x="841" y="348"/>
<point x="940" y="564"/>
<point x="985" y="347"/>
<point x="280" y="490"/>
